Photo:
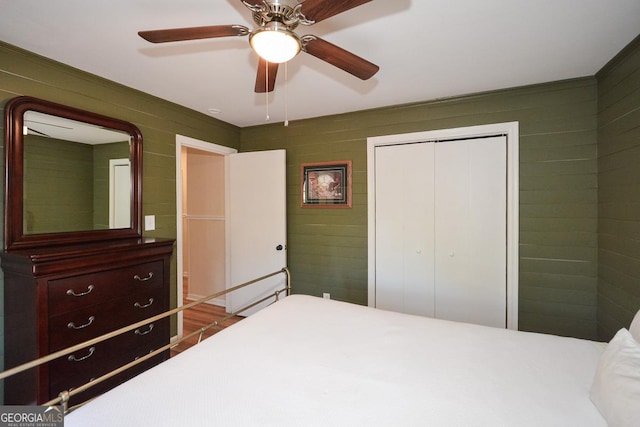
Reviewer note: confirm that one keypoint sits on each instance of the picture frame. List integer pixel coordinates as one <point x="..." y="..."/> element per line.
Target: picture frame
<point x="325" y="184"/>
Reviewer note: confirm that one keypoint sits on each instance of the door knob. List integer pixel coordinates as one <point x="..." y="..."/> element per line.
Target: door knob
<point x="279" y="248"/>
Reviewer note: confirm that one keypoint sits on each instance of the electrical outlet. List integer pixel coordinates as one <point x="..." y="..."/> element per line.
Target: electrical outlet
<point x="326" y="295"/>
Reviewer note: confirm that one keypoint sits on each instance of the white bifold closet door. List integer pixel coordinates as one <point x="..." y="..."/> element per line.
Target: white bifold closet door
<point x="405" y="253"/>
<point x="441" y="229"/>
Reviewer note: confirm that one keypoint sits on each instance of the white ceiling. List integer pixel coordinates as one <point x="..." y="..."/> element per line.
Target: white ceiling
<point x="426" y="49"/>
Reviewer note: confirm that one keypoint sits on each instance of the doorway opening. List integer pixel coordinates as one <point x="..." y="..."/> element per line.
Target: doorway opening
<point x="200" y="228"/>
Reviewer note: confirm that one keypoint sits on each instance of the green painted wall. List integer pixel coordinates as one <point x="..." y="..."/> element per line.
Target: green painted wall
<point x="48" y="183"/>
<point x="619" y="191"/>
<point x="24" y="73"/>
<point x="327" y="248"/>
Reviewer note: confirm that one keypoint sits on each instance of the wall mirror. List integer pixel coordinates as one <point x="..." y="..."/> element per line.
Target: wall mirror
<point x="72" y="176"/>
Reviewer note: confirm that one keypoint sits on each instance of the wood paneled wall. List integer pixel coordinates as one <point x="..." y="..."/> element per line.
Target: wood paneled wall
<point x="327" y="249"/>
<point x="48" y="184"/>
<point x="619" y="191"/>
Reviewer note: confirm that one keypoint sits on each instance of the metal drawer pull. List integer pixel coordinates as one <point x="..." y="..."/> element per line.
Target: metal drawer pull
<point x="73" y="358"/>
<point x="72" y="325"/>
<point x="143" y="279"/>
<point x="138" y="305"/>
<point x="81" y="294"/>
<point x="138" y="332"/>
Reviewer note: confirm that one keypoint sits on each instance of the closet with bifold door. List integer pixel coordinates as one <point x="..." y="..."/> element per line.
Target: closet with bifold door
<point x="441" y="229"/>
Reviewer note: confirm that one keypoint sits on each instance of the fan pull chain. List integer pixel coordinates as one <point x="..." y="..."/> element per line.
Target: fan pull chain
<point x="266" y="85"/>
<point x="286" y="95"/>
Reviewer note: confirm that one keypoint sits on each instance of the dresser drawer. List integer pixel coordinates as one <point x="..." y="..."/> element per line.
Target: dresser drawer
<point x="85" y="365"/>
<point x="73" y="327"/>
<point x="71" y="293"/>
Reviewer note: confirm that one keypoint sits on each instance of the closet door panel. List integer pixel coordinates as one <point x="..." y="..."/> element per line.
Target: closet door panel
<point x="470" y="236"/>
<point x="404" y="228"/>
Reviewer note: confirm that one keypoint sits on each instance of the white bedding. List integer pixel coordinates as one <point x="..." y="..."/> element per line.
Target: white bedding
<point x="307" y="361"/>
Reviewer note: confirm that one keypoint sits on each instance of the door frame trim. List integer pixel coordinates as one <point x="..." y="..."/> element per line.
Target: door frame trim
<point x="185" y="141"/>
<point x="511" y="130"/>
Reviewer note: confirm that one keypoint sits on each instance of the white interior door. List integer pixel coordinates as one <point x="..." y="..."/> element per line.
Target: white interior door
<point x="486" y="178"/>
<point x="256" y="224"/>
<point x="441" y="229"/>
<point x="119" y="193"/>
<point x="470" y="237"/>
<point x="404" y="228"/>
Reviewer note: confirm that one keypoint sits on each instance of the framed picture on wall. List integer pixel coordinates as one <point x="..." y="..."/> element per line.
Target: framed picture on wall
<point x="326" y="184"/>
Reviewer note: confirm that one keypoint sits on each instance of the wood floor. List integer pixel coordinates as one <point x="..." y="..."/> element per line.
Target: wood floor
<point x="198" y="317"/>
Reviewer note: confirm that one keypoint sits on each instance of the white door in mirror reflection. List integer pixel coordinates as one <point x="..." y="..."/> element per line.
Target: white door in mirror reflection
<point x="119" y="193"/>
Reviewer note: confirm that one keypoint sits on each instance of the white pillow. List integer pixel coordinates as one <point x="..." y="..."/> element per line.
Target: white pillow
<point x="616" y="387"/>
<point x="635" y="327"/>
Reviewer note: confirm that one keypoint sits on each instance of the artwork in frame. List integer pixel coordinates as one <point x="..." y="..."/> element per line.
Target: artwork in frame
<point x="326" y="184"/>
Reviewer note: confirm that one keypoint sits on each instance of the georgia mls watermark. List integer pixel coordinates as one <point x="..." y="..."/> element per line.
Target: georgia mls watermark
<point x="31" y="416"/>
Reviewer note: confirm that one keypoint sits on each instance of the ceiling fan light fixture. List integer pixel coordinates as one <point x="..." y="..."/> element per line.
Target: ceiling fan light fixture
<point x="275" y="42"/>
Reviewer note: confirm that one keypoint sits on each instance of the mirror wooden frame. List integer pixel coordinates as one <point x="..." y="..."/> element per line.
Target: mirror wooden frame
<point x="14" y="236"/>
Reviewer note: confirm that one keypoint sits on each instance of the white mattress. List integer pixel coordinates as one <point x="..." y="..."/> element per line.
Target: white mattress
<point x="306" y="361"/>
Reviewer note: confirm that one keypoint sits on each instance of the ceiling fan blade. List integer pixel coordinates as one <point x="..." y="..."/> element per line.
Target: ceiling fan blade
<point x="339" y="57"/>
<point x="266" y="71"/>
<point x="252" y="3"/>
<point x="193" y="33"/>
<point x="319" y="10"/>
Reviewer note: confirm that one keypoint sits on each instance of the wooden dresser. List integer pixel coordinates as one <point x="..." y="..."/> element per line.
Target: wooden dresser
<point x="59" y="296"/>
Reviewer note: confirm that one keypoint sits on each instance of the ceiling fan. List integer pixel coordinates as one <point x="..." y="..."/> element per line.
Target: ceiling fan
<point x="274" y="39"/>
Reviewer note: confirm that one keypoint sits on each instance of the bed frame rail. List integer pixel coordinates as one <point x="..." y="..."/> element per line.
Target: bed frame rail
<point x="63" y="398"/>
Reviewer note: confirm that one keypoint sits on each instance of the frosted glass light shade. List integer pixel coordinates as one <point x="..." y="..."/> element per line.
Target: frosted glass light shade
<point x="275" y="44"/>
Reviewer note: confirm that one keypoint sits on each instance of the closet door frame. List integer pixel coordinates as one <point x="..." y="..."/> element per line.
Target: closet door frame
<point x="511" y="131"/>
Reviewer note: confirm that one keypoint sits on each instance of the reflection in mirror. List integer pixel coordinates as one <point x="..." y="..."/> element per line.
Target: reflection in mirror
<point x="72" y="176"/>
<point x="76" y="176"/>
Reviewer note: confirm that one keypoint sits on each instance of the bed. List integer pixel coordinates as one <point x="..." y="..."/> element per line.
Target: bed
<point x="307" y="361"/>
